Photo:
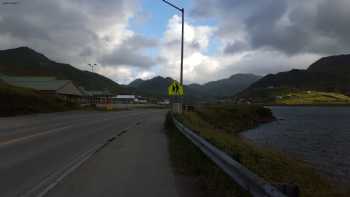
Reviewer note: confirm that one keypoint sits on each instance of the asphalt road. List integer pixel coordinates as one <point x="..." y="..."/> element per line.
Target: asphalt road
<point x="36" y="146"/>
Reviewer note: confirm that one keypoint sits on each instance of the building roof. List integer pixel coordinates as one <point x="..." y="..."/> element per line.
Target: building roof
<point x="99" y="93"/>
<point x="41" y="84"/>
<point x="94" y="92"/>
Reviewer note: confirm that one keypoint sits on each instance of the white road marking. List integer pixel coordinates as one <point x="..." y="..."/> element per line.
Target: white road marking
<point x="14" y="141"/>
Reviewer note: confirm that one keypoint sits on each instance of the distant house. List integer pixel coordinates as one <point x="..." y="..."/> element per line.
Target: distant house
<point x="64" y="89"/>
<point x="125" y="99"/>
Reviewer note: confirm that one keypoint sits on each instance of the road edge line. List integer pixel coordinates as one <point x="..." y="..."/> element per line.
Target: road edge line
<point x="50" y="182"/>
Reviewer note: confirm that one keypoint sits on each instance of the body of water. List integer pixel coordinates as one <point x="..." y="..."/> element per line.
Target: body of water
<point x="318" y="135"/>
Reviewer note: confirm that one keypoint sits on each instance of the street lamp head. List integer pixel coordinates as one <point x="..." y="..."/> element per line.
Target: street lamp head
<point x="174" y="6"/>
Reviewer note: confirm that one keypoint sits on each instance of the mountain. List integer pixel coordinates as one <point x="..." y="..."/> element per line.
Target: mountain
<point x="337" y="65"/>
<point x="24" y="61"/>
<point x="329" y="74"/>
<point x="136" y="83"/>
<point x="230" y="86"/>
<point x="158" y="86"/>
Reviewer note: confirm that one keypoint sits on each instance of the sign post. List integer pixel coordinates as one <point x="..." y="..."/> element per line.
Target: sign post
<point x="179" y="100"/>
<point x="176" y="90"/>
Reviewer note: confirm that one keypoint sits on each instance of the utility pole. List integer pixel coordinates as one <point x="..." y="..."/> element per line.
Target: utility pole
<point x="182" y="10"/>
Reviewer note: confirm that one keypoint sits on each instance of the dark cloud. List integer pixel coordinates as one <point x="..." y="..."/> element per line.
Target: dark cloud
<point x="290" y="26"/>
<point x="236" y="47"/>
<point x="138" y="42"/>
<point x="130" y="53"/>
<point x="127" y="57"/>
<point x="66" y="31"/>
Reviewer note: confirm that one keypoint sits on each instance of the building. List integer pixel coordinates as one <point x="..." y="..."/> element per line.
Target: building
<point x="125" y="99"/>
<point x="64" y="89"/>
<point x="100" y="97"/>
<point x="164" y="102"/>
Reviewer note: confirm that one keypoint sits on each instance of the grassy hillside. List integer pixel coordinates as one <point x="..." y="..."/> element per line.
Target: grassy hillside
<point x="312" y="97"/>
<point x="18" y="101"/>
<point x="305" y="80"/>
<point x="27" y="62"/>
<point x="271" y="165"/>
<point x="235" y="118"/>
<point x="202" y="176"/>
<point x="294" y="96"/>
<point x="329" y="74"/>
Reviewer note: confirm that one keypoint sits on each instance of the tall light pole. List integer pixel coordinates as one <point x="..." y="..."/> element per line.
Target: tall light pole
<point x="182" y="10"/>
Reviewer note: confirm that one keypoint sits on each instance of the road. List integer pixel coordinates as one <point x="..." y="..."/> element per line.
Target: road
<point x="32" y="148"/>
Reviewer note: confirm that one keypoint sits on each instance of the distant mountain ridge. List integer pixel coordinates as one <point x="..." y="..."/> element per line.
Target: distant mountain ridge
<point x="24" y="61"/>
<point x="211" y="90"/>
<point x="337" y="65"/>
<point x="329" y="74"/>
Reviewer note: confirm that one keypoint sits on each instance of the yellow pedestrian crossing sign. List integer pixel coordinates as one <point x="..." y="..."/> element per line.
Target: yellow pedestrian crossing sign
<point x="176" y="89"/>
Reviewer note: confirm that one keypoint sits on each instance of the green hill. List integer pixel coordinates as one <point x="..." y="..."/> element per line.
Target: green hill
<point x="329" y="74"/>
<point x="24" y="61"/>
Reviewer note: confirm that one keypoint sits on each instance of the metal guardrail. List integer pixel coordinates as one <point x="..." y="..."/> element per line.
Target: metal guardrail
<point x="249" y="181"/>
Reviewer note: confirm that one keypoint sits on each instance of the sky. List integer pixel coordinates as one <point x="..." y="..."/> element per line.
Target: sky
<point x="130" y="39"/>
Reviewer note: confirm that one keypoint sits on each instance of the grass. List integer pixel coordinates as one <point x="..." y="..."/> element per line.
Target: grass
<point x="234" y="118"/>
<point x="188" y="161"/>
<point x="19" y="101"/>
<point x="313" y="97"/>
<point x="271" y="165"/>
<point x="292" y="96"/>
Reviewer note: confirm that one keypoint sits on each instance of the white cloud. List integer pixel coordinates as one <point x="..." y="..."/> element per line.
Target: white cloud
<point x="252" y="37"/>
<point x="197" y="39"/>
<point x="200" y="67"/>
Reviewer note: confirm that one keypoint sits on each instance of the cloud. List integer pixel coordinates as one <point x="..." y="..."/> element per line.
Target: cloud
<point x="233" y="56"/>
<point x="130" y="52"/>
<point x="290" y="26"/>
<point x="254" y="36"/>
<point x="80" y="32"/>
<point x="124" y="74"/>
<point x="196" y="41"/>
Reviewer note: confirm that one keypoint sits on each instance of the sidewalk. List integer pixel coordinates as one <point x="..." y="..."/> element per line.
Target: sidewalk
<point x="135" y="164"/>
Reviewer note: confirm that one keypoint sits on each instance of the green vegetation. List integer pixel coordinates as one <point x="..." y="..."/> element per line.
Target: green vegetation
<point x="313" y="97"/>
<point x="234" y="118"/>
<point x="188" y="161"/>
<point x="271" y="165"/>
<point x="292" y="96"/>
<point x="17" y="101"/>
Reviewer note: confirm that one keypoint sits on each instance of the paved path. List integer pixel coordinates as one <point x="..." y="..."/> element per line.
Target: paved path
<point x="34" y="147"/>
